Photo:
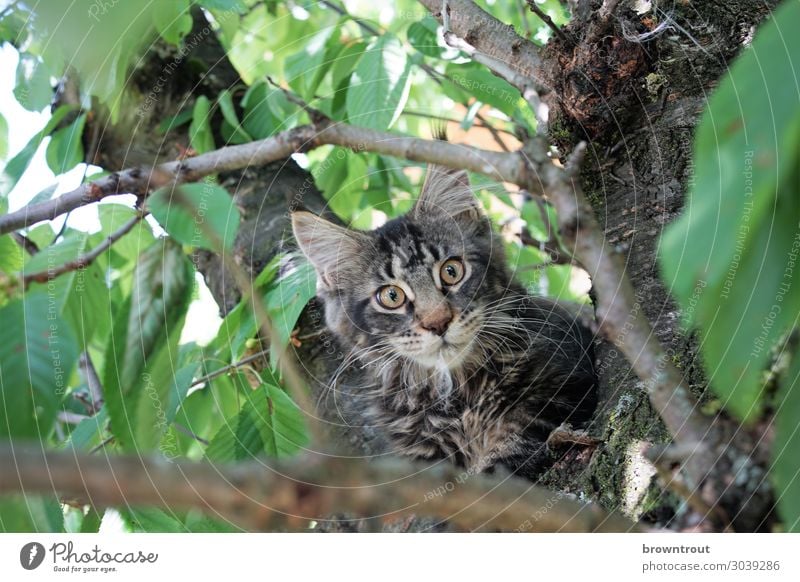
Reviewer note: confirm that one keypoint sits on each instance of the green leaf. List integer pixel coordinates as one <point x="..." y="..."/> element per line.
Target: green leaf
<point x="306" y="69"/>
<point x="259" y="120"/>
<point x="152" y="520"/>
<point x="90" y="432"/>
<point x="201" y="215"/>
<point x="29" y="514"/>
<point x="237" y="132"/>
<point x="423" y="36"/>
<point x="140" y="237"/>
<point x="286" y="299"/>
<point x="173" y="20"/>
<point x="179" y="388"/>
<point x="269" y="423"/>
<point x="33" y="89"/>
<point x="80" y="296"/>
<point x="91" y="521"/>
<point x="3" y="137"/>
<point x="38" y="352"/>
<point x="10" y="255"/>
<point x="175" y="121"/>
<point x="200" y="136"/>
<point x="139" y="361"/>
<point x="729" y="258"/>
<point x="20" y="162"/>
<point x="380" y="84"/>
<point x="240" y="323"/>
<point x="482" y="85"/>
<point x="65" y="150"/>
<point x="786" y="462"/>
<point x="346" y="61"/>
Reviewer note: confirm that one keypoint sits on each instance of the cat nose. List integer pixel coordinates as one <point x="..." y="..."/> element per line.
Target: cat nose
<point x="438" y="321"/>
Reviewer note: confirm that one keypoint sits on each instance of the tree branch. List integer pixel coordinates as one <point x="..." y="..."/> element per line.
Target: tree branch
<point x="84" y="260"/>
<point x="261" y="496"/>
<point x="493" y="38"/>
<point x="544" y="17"/>
<point x="507" y="167"/>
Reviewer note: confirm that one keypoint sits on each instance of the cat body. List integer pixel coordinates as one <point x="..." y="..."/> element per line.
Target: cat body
<point x="457" y="360"/>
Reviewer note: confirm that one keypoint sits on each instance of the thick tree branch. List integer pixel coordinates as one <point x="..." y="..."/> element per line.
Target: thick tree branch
<point x="493" y="38"/>
<point x="710" y="448"/>
<point x="508" y="167"/>
<point x="259" y="496"/>
<point x="618" y="312"/>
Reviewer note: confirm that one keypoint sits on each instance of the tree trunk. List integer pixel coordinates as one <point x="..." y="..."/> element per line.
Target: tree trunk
<point x="635" y="99"/>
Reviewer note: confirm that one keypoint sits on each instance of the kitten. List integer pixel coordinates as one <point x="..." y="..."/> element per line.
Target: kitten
<point x="461" y="362"/>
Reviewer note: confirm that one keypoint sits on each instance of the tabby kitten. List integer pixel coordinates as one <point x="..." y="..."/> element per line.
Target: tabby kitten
<point x="461" y="362"/>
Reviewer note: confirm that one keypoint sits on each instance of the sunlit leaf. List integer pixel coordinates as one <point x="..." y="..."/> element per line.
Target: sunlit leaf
<point x="379" y="85"/>
<point x="201" y="215"/>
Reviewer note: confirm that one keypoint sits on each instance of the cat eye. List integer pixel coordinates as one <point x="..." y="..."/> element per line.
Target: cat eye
<point x="391" y="297"/>
<point x="452" y="271"/>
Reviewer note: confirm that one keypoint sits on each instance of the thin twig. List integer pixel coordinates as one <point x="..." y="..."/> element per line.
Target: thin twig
<point x="229" y="368"/>
<point x="544" y="17"/>
<point x="92" y="381"/>
<point x="189" y="433"/>
<point x="366" y="27"/>
<point x="84" y="260"/>
<point x="27" y="244"/>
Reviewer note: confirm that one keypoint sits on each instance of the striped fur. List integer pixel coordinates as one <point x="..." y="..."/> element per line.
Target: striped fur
<point x="509" y="368"/>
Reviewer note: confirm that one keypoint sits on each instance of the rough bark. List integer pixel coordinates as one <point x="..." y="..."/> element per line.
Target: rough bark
<point x="637" y="105"/>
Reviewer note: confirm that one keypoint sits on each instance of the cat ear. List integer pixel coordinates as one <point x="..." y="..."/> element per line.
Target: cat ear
<point x="327" y="246"/>
<point x="447" y="191"/>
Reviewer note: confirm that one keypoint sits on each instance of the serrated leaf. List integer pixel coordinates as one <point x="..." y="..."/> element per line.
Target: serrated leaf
<point x="726" y="257"/>
<point x="306" y="68"/>
<point x="139" y="359"/>
<point x="201" y="215"/>
<point x="80" y="296"/>
<point x="33" y="89"/>
<point x="379" y="85"/>
<point x="423" y="36"/>
<point x="259" y="120"/>
<point x="37" y="354"/>
<point x="30" y="514"/>
<point x="269" y="423"/>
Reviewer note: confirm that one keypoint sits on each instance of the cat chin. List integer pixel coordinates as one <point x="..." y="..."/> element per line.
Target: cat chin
<point x="446" y="357"/>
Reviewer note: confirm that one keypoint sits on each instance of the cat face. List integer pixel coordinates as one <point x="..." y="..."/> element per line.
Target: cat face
<point x="415" y="288"/>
